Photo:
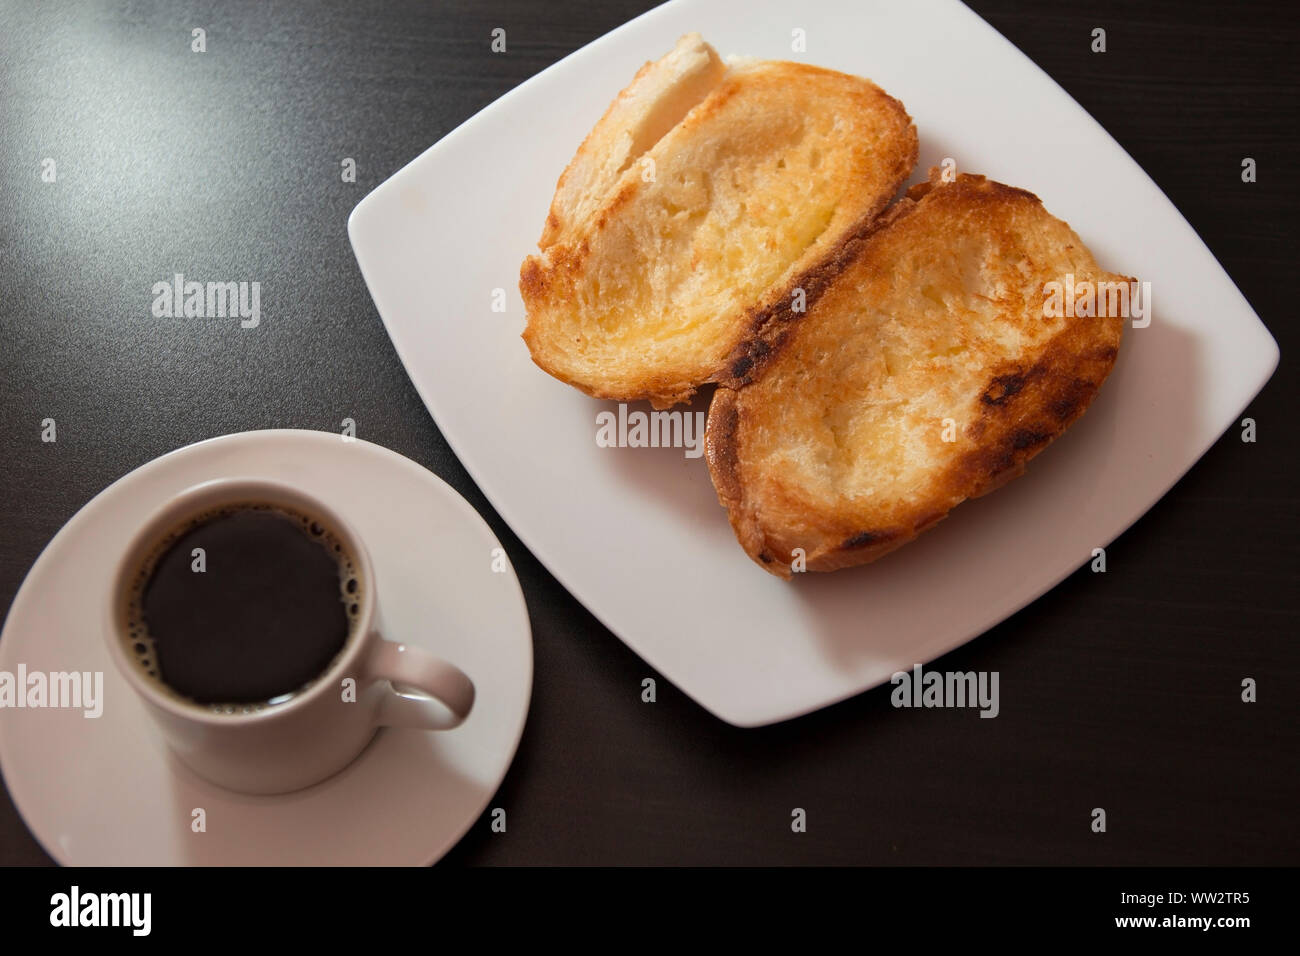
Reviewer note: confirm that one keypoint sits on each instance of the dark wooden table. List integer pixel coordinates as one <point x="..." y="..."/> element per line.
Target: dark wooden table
<point x="1119" y="690"/>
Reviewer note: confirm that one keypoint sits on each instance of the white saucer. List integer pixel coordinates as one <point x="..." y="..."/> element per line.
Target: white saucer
<point x="106" y="791"/>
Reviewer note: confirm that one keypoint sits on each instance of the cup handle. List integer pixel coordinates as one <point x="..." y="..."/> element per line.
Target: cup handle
<point x="411" y="668"/>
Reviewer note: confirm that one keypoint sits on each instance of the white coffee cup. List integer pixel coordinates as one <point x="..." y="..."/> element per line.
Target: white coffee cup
<point x="318" y="730"/>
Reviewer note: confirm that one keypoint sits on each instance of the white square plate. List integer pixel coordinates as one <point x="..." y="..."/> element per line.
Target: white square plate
<point x="637" y="535"/>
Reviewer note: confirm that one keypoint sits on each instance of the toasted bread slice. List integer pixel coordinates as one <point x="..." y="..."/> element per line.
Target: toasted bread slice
<point x="928" y="371"/>
<point x="659" y="257"/>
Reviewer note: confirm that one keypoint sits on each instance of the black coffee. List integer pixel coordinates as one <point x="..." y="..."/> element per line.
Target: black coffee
<point x="243" y="605"/>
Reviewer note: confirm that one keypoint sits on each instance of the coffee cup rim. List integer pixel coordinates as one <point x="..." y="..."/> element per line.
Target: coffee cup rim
<point x="193" y="500"/>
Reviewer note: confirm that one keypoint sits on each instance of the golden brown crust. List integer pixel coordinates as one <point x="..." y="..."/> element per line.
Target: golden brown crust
<point x="1026" y="406"/>
<point x="786" y="485"/>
